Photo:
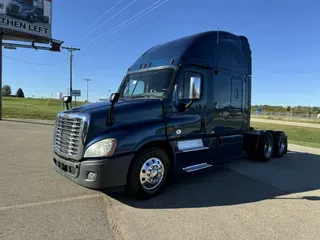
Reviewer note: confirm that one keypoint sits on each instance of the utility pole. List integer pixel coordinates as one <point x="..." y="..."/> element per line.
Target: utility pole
<point x="71" y="50"/>
<point x="55" y="47"/>
<point x="1" y="37"/>
<point x="87" y="80"/>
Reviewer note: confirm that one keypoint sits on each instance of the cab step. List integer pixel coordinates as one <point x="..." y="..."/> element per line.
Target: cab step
<point x="197" y="167"/>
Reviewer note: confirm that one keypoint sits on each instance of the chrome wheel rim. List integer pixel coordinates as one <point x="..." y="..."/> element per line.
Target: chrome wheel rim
<point x="151" y="173"/>
<point x="268" y="148"/>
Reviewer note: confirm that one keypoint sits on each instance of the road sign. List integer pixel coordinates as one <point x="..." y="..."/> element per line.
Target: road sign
<point x="76" y="93"/>
<point x="259" y="111"/>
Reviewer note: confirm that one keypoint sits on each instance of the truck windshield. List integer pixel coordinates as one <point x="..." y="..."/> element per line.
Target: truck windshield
<point x="154" y="83"/>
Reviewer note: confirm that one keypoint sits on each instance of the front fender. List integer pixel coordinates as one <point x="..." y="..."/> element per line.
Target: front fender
<point x="131" y="137"/>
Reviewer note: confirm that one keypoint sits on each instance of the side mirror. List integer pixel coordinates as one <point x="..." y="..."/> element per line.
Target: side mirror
<point x="67" y="100"/>
<point x="195" y="88"/>
<point x="114" y="97"/>
<point x="188" y="90"/>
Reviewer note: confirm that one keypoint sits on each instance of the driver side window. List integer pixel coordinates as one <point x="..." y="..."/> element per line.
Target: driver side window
<point x="138" y="87"/>
<point x="189" y="87"/>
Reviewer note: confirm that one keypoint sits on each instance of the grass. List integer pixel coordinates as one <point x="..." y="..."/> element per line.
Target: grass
<point x="31" y="108"/>
<point x="304" y="136"/>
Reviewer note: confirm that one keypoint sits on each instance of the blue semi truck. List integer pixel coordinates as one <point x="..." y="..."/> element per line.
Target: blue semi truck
<point x="183" y="106"/>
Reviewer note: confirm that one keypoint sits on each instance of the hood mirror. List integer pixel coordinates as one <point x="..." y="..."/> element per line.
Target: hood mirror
<point x="67" y="100"/>
<point x="114" y="97"/>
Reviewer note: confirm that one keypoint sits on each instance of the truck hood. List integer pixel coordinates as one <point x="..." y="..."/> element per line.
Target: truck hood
<point x="127" y="113"/>
<point x="122" y="104"/>
<point x="89" y="107"/>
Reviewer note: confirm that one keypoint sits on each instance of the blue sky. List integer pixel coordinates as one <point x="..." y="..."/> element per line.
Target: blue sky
<point x="284" y="37"/>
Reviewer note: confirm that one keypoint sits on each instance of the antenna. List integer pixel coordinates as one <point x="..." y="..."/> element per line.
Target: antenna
<point x="217" y="53"/>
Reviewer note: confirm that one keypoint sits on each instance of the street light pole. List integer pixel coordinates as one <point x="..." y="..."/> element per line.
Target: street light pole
<point x="87" y="80"/>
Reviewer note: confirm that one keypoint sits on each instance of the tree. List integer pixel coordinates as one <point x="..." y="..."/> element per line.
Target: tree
<point x="20" y="93"/>
<point x="6" y="91"/>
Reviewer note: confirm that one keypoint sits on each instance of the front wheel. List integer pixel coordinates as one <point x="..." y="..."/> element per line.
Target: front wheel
<point x="148" y="173"/>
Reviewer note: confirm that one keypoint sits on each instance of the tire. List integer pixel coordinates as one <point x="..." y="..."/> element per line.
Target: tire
<point x="140" y="182"/>
<point x="265" y="147"/>
<point x="280" y="144"/>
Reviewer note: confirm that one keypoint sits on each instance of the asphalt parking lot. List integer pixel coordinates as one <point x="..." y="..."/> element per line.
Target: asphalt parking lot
<point x="242" y="200"/>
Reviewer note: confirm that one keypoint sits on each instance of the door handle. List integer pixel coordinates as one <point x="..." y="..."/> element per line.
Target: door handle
<point x="237" y="93"/>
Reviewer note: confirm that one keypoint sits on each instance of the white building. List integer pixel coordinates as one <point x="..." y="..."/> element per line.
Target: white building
<point x="59" y="95"/>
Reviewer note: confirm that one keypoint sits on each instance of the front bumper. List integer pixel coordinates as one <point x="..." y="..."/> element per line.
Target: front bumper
<point x="111" y="172"/>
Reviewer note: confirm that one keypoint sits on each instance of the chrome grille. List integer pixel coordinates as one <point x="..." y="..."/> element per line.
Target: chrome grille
<point x="68" y="136"/>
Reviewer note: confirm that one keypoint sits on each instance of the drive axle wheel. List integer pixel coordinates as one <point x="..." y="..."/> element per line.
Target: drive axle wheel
<point x="265" y="147"/>
<point x="280" y="144"/>
<point x="148" y="173"/>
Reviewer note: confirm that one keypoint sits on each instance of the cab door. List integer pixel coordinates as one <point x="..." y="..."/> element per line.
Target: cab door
<point x="187" y="125"/>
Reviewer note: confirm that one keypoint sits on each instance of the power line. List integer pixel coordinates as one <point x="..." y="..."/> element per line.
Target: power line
<point x="100" y="17"/>
<point x="96" y="40"/>
<point x="133" y="30"/>
<point x="137" y="28"/>
<point x="110" y="18"/>
<point x="32" y="63"/>
<point x="77" y="72"/>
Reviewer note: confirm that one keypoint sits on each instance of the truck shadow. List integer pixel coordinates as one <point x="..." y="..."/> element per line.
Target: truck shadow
<point x="238" y="183"/>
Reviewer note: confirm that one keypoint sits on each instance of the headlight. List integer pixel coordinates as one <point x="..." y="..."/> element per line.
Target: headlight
<point x="102" y="148"/>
